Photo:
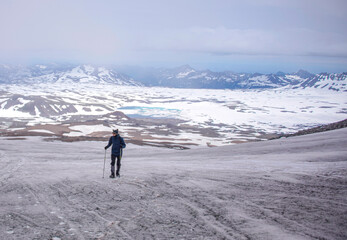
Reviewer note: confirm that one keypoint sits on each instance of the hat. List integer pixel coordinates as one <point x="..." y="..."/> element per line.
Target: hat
<point x="115" y="131"/>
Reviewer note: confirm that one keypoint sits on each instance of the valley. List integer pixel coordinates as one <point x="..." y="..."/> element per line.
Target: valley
<point x="166" y="117"/>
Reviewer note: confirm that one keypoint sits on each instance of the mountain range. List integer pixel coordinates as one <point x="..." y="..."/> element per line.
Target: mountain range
<point x="63" y="73"/>
<point x="180" y="77"/>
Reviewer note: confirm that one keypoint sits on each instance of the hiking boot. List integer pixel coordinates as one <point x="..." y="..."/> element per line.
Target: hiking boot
<point x="112" y="175"/>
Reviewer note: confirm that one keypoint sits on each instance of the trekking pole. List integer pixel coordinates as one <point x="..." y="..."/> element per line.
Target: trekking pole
<point x="103" y="172"/>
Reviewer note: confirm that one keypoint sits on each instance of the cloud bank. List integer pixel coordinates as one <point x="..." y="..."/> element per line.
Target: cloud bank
<point x="289" y="42"/>
<point x="191" y="31"/>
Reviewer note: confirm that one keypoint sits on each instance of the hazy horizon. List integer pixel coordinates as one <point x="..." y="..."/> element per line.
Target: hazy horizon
<point x="127" y="69"/>
<point x="263" y="36"/>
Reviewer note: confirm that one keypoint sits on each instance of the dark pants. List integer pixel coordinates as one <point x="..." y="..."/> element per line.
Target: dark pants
<point x="113" y="161"/>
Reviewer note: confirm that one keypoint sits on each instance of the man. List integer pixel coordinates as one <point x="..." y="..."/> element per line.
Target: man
<point x="118" y="144"/>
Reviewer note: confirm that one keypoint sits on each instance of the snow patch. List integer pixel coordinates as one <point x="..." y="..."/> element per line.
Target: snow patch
<point x="184" y="74"/>
<point x="41" y="131"/>
<point x="83" y="130"/>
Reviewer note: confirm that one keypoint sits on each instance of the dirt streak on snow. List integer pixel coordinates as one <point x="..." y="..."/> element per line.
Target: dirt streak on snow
<point x="291" y="188"/>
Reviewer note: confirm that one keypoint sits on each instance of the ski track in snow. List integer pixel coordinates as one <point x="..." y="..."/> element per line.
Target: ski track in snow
<point x="291" y="188"/>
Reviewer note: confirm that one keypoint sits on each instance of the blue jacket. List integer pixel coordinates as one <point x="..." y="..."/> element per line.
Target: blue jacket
<point x="117" y="143"/>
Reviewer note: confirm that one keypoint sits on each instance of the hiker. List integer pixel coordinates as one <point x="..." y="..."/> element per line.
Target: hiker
<point x="118" y="144"/>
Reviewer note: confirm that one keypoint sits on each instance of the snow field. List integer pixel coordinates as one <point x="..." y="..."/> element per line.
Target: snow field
<point x="290" y="188"/>
<point x="234" y="114"/>
<point x="83" y="130"/>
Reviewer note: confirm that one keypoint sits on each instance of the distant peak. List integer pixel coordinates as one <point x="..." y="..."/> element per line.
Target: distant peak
<point x="302" y="71"/>
<point x="279" y="73"/>
<point x="303" y="74"/>
<point x="185" y="67"/>
<point x="87" y="68"/>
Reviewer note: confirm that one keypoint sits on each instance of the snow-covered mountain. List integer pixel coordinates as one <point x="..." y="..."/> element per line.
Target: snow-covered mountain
<point x="334" y="81"/>
<point x="63" y="74"/>
<point x="181" y="77"/>
<point x="21" y="73"/>
<point x="187" y="77"/>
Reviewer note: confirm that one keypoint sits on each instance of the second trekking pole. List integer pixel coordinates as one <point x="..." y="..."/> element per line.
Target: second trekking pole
<point x="103" y="172"/>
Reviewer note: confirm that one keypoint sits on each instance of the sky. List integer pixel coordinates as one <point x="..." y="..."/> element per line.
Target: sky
<point x="242" y="36"/>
